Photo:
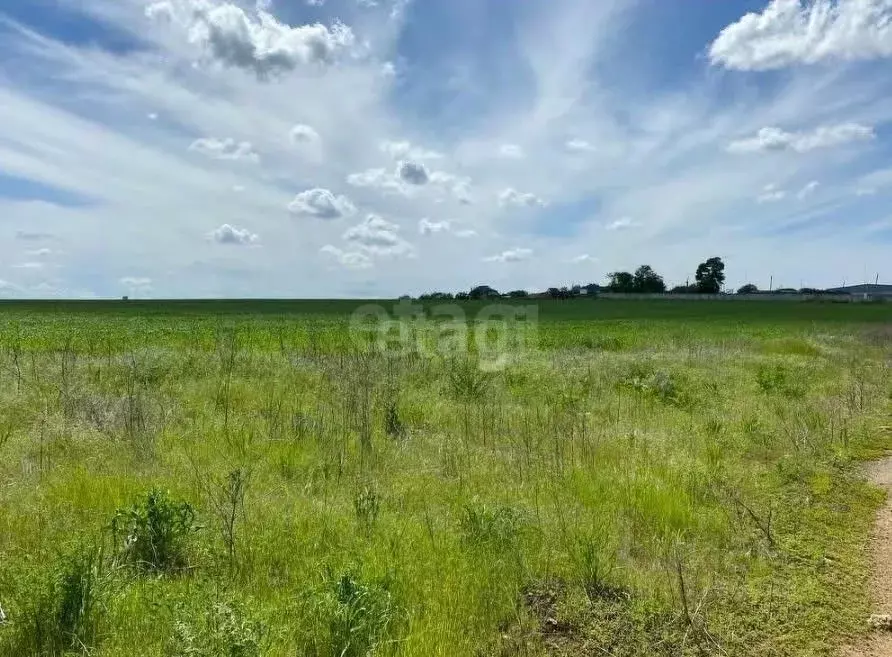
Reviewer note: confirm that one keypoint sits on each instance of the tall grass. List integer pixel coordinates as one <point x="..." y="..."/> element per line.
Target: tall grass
<point x="261" y="485"/>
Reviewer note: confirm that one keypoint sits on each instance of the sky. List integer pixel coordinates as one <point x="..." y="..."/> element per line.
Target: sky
<point x="371" y="148"/>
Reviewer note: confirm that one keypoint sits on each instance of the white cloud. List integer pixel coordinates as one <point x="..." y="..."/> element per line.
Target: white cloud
<point x="790" y="32"/>
<point x="808" y="190"/>
<point x="39" y="253"/>
<point x="579" y="146"/>
<point x="771" y="194"/>
<point x="775" y="139"/>
<point x="511" y="197"/>
<point x="379" y="179"/>
<point x="413" y="173"/>
<point x="29" y="265"/>
<point x="379" y="236"/>
<point x="137" y="285"/>
<point x="304" y="134"/>
<point x="349" y="259"/>
<point x="405" y="150"/>
<point x="466" y="233"/>
<point x="621" y="224"/>
<point x="585" y="258"/>
<point x="261" y="44"/>
<point x="227" y="234"/>
<point x="152" y="116"/>
<point x="459" y="187"/>
<point x="225" y="149"/>
<point x="427" y="227"/>
<point x="322" y="204"/>
<point x="511" y="151"/>
<point x="512" y="255"/>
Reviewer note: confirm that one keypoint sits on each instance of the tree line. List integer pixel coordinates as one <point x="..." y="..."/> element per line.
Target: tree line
<point x="709" y="279"/>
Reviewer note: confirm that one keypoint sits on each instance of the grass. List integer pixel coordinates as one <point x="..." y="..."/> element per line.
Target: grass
<point x="244" y="479"/>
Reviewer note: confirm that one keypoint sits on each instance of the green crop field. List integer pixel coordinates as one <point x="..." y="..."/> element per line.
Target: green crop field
<point x="246" y="478"/>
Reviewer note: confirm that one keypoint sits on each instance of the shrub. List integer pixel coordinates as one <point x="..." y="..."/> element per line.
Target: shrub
<point x="776" y="378"/>
<point x="153" y="536"/>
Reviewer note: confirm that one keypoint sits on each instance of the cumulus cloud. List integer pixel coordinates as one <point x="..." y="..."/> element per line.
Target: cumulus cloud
<point x="259" y="44"/>
<point x="808" y="190"/>
<point x="579" y="146"/>
<point x="771" y="194"/>
<point x="511" y="197"/>
<point x="458" y="186"/>
<point x="304" y="134"/>
<point x="405" y="150"/>
<point x="466" y="233"/>
<point x="774" y="139"/>
<point x="790" y="32"/>
<point x="378" y="236"/>
<point x="583" y="259"/>
<point x="137" y="285"/>
<point x="427" y="227"/>
<point x="511" y="151"/>
<point x="321" y="204"/>
<point x="225" y="149"/>
<point x="227" y="234"/>
<point x="621" y="224"/>
<point x="349" y="259"/>
<point x="379" y="179"/>
<point x="29" y="265"/>
<point x="414" y="173"/>
<point x="512" y="255"/>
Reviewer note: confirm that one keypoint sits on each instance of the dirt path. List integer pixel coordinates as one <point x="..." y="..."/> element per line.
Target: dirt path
<point x="880" y="643"/>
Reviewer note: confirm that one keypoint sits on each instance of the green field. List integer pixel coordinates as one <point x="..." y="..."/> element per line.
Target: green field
<point x="245" y="478"/>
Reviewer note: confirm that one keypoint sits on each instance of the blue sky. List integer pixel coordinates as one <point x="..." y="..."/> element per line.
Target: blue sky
<point x="210" y="148"/>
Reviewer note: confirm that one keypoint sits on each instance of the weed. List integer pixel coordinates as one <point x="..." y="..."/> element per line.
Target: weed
<point x="153" y="536"/>
<point x="467" y="382"/>
<point x="224" y="630"/>
<point x="65" y="609"/>
<point x="484" y="526"/>
<point x="355" y="617"/>
<point x="367" y="506"/>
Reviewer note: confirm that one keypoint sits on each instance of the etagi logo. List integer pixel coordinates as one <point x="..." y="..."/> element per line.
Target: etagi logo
<point x="493" y="334"/>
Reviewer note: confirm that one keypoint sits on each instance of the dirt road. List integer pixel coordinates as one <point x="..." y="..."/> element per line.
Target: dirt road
<point x="880" y="643"/>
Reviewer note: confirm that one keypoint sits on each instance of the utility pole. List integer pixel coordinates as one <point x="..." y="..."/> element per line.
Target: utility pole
<point x="771" y="284"/>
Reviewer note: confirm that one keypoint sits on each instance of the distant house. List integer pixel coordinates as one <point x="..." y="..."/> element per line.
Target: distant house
<point x="867" y="290"/>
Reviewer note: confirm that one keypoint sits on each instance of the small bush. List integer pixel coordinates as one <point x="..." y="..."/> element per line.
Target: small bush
<point x="153" y="536"/>
<point x="776" y="378"/>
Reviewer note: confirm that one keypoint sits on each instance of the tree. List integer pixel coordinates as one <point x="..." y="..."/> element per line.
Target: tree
<point x="518" y="294"/>
<point x="621" y="281"/>
<point x="646" y="280"/>
<point x="484" y="292"/>
<point x="749" y="288"/>
<point x="711" y="276"/>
